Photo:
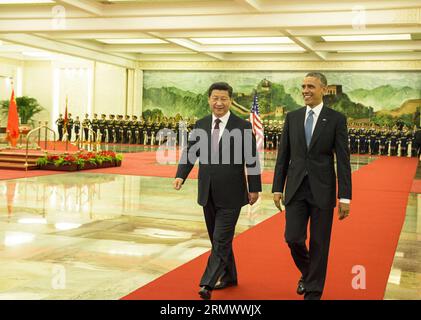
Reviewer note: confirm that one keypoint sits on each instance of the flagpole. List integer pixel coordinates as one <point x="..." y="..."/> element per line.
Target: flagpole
<point x="67" y="133"/>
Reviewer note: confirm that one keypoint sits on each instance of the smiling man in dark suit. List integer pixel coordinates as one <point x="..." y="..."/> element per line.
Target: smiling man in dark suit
<point x="311" y="136"/>
<point x="227" y="148"/>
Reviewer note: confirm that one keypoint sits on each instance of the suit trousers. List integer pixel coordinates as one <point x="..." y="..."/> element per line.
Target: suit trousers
<point x="311" y="262"/>
<point x="220" y="223"/>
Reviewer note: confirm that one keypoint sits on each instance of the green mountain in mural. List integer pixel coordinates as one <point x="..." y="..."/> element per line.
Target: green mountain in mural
<point x="270" y="97"/>
<point x="344" y="104"/>
<point x="172" y="100"/>
<point x="384" y="97"/>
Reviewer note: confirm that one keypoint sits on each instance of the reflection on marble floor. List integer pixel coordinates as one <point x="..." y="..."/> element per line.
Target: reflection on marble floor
<point x="101" y="236"/>
<point x="107" y="234"/>
<point x="405" y="275"/>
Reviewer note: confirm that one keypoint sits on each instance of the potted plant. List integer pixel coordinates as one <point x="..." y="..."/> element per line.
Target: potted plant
<point x="27" y="108"/>
<point x="63" y="162"/>
<point x="80" y="161"/>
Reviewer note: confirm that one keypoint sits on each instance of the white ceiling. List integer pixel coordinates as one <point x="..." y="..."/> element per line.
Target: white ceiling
<point x="100" y="30"/>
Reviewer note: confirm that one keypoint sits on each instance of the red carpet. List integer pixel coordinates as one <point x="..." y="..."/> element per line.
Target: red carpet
<point x="367" y="238"/>
<point x="58" y="145"/>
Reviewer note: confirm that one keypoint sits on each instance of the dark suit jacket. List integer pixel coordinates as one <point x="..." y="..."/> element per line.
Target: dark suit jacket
<point x="227" y="181"/>
<point x="294" y="161"/>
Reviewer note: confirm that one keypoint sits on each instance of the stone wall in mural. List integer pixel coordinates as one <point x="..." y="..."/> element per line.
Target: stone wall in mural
<point x="379" y="97"/>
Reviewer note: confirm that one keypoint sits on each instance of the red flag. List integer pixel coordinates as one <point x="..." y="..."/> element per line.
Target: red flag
<point x="12" y="132"/>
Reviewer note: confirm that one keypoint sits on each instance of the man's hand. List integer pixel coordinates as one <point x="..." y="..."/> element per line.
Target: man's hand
<point x="343" y="210"/>
<point x="277" y="199"/>
<point x="178" y="182"/>
<point x="253" y="196"/>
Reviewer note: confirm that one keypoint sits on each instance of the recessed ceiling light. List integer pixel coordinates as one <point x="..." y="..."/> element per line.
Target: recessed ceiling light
<point x="243" y="40"/>
<point x="37" y="54"/>
<point x="131" y="41"/>
<point x="261" y="48"/>
<point x="374" y="51"/>
<point x="25" y="1"/>
<point x="368" y="37"/>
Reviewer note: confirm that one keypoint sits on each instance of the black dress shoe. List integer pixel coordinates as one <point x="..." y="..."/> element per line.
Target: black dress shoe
<point x="300" y="288"/>
<point x="223" y="284"/>
<point x="312" y="295"/>
<point x="205" y="293"/>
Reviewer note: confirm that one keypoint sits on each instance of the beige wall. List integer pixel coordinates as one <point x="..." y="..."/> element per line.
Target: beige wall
<point x="38" y="83"/>
<point x="110" y="89"/>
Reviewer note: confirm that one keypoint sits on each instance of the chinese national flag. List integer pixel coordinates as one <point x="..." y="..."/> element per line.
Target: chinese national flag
<point x="13" y="121"/>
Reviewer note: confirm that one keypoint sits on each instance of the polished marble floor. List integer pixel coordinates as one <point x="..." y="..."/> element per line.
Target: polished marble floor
<point x="101" y="236"/>
<point x="405" y="275"/>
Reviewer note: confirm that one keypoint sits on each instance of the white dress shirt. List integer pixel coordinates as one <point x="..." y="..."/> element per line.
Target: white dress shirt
<point x="222" y="124"/>
<point x="317" y="109"/>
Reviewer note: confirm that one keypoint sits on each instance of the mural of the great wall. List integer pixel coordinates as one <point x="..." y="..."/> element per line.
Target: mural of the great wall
<point x="378" y="97"/>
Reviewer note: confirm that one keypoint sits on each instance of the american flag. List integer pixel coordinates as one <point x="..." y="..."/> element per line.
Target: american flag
<point x="257" y="123"/>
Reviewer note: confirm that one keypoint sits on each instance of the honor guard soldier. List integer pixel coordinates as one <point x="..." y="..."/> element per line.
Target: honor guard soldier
<point x="94" y="124"/>
<point x="148" y="128"/>
<point x="111" y="129"/>
<point x="393" y="142"/>
<point x="142" y="130"/>
<point x="383" y="144"/>
<point x="363" y="141"/>
<point x="126" y="127"/>
<point x="119" y="128"/>
<point x="270" y="135"/>
<point x="76" y="125"/>
<point x="60" y="123"/>
<point x="69" y="127"/>
<point x="156" y="126"/>
<point x="86" y="123"/>
<point x="404" y="140"/>
<point x="352" y="141"/>
<point x="372" y="138"/>
<point x="102" y="125"/>
<point x="413" y="142"/>
<point x="134" y="131"/>
<point x="277" y="129"/>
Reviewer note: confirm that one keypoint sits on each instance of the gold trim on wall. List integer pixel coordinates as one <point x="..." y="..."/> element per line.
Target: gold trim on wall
<point x="283" y="66"/>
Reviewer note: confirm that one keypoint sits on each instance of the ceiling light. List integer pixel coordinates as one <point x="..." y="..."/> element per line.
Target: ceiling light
<point x="373" y="37"/>
<point x="37" y="54"/>
<point x="261" y="48"/>
<point x="131" y="41"/>
<point x="25" y="1"/>
<point x="374" y="50"/>
<point x="244" y="40"/>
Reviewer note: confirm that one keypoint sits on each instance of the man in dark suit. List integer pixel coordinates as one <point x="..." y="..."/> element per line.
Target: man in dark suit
<point x="311" y="137"/>
<point x="225" y="146"/>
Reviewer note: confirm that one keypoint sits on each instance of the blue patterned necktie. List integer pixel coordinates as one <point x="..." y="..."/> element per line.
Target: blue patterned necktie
<point x="309" y="127"/>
